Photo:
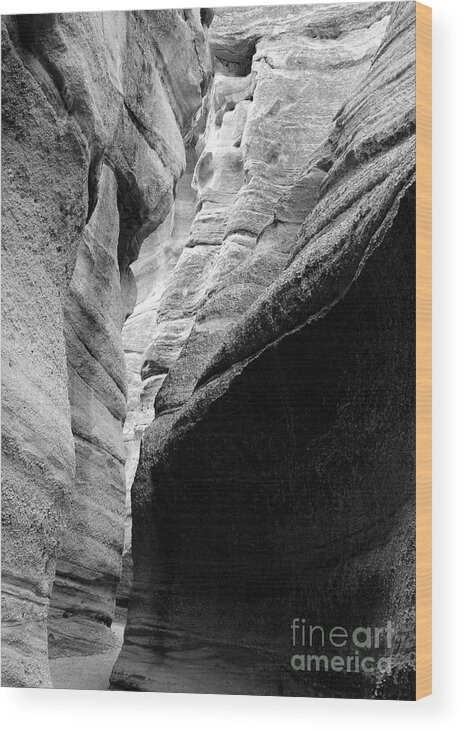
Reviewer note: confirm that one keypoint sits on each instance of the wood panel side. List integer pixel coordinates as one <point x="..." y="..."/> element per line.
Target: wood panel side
<point x="423" y="351"/>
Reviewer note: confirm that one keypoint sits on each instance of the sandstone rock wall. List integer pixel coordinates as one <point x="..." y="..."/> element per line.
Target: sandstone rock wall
<point x="268" y="111"/>
<point x="95" y="110"/>
<point x="152" y="271"/>
<point x="276" y="89"/>
<point x="272" y="336"/>
<point x="89" y="559"/>
<point x="277" y="480"/>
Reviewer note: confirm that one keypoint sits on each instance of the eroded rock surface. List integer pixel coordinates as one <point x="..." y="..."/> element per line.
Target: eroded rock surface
<point x="277" y="480"/>
<point x="96" y="108"/>
<point x="152" y="272"/>
<point x="279" y="80"/>
<point x="267" y="324"/>
<point x="269" y="109"/>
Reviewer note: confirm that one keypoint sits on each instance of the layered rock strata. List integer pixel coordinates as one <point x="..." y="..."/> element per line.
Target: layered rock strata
<point x="277" y="480"/>
<point x="272" y="336"/>
<point x="152" y="271"/>
<point x="269" y="109"/>
<point x="276" y="88"/>
<point x="95" y="110"/>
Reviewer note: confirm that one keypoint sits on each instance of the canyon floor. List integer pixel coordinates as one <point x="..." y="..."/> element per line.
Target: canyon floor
<point x="208" y="328"/>
<point x="89" y="671"/>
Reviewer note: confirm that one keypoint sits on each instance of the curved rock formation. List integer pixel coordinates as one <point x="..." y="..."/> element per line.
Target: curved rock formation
<point x="277" y="480"/>
<point x="152" y="271"/>
<point x="227" y="247"/>
<point x="96" y="107"/>
<point x="269" y="112"/>
<point x="253" y="192"/>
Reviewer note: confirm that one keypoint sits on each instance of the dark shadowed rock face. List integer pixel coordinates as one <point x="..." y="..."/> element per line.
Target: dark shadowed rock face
<point x="268" y="212"/>
<point x="254" y="187"/>
<point x="278" y="478"/>
<point x="260" y="127"/>
<point x="95" y="109"/>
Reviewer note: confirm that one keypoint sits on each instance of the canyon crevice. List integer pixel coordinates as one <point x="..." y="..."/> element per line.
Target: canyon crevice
<point x="208" y="341"/>
<point x="96" y="107"/>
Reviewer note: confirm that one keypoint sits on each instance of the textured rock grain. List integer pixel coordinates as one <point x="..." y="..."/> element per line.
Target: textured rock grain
<point x="257" y="177"/>
<point x="95" y="109"/>
<point x="268" y="324"/>
<point x="277" y="480"/>
<point x="152" y="271"/>
<point x="264" y="120"/>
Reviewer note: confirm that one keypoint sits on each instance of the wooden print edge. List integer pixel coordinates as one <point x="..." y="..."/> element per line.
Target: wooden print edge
<point x="423" y="351"/>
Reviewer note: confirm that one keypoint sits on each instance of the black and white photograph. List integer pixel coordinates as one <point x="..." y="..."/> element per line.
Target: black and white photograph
<point x="210" y="322"/>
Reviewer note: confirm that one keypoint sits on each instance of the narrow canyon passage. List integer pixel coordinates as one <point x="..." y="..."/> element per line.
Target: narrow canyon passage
<point x="82" y="653"/>
<point x="93" y="670"/>
<point x="226" y="266"/>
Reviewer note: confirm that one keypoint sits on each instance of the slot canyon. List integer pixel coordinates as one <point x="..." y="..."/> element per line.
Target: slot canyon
<point x="208" y="345"/>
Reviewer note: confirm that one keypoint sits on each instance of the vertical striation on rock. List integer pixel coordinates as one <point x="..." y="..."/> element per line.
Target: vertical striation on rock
<point x="278" y="83"/>
<point x="277" y="479"/>
<point x="265" y="118"/>
<point x="89" y="559"/>
<point x="152" y="271"/>
<point x="95" y="111"/>
<point x="208" y="293"/>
